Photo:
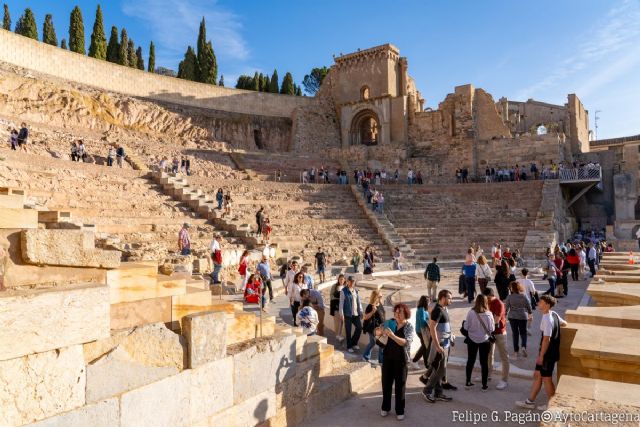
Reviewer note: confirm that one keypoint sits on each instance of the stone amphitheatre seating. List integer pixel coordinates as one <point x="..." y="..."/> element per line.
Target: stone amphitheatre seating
<point x="303" y="217"/>
<point x="443" y="220"/>
<point x="126" y="209"/>
<point x="264" y="165"/>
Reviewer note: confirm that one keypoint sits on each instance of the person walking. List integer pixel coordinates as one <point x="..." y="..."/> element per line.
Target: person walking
<point x="259" y="221"/>
<point x="422" y="330"/>
<point x="441" y="339"/>
<point x="573" y="259"/>
<point x="503" y="278"/>
<point x="374" y="317"/>
<point x="334" y="306"/>
<point x="469" y="271"/>
<point x="23" y="137"/>
<point x="399" y="336"/>
<point x="120" y="155"/>
<point x="480" y="326"/>
<point x="530" y="291"/>
<point x="216" y="255"/>
<point x="319" y="263"/>
<point x="13" y="139"/>
<point x="351" y="313"/>
<point x="591" y="259"/>
<point x="552" y="275"/>
<point x="219" y="198"/>
<point x="483" y="272"/>
<point x="355" y="260"/>
<point x="498" y="311"/>
<point x="264" y="269"/>
<point x="184" y="241"/>
<point x="432" y="274"/>
<point x="548" y="355"/>
<point x="242" y="269"/>
<point x="110" y="157"/>
<point x="519" y="312"/>
<point x="293" y="292"/>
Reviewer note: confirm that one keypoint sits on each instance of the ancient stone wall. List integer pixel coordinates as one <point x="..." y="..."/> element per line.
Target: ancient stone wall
<point x="31" y="54"/>
<point x="579" y="125"/>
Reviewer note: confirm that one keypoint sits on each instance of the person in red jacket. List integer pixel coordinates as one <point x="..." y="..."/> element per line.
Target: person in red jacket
<point x="242" y="268"/>
<point x="499" y="317"/>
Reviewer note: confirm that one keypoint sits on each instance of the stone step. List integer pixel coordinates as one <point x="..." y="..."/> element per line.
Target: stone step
<point x="18" y="218"/>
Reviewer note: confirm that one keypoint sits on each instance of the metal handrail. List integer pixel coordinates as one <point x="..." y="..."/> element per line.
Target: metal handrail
<point x="585" y="173"/>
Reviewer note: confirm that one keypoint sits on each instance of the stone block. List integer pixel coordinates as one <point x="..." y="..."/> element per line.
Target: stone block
<point x="156" y="345"/>
<point x="138" y="313"/>
<point x="132" y="282"/>
<point x="262" y="365"/>
<point x="12" y="201"/>
<point x="241" y="326"/>
<point x="211" y="389"/>
<point x="35" y="321"/>
<point x="118" y="372"/>
<point x="18" y="218"/>
<point x="253" y="411"/>
<point x="65" y="247"/>
<point x="164" y="403"/>
<point x="54" y="216"/>
<point x="206" y="336"/>
<point x="41" y="385"/>
<point x="101" y="414"/>
<point x="193" y="301"/>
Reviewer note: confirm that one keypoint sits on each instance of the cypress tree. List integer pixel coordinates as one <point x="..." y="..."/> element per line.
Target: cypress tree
<point x="207" y="65"/>
<point x="98" y="47"/>
<point x="6" y="21"/>
<point x="221" y="82"/>
<point x="200" y="47"/>
<point x="48" y="32"/>
<point x="63" y="44"/>
<point x="113" y="48"/>
<point x="139" y="60"/>
<point x="26" y="25"/>
<point x="255" y="82"/>
<point x="287" y="85"/>
<point x="261" y="82"/>
<point x="152" y="58"/>
<point x="132" y="61"/>
<point x="122" y="48"/>
<point x="299" y="91"/>
<point x="188" y="66"/>
<point x="267" y="83"/>
<point x="273" y="84"/>
<point x="76" y="32"/>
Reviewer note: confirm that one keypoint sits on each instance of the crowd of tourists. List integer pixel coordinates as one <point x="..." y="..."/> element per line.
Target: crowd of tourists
<point x="553" y="170"/>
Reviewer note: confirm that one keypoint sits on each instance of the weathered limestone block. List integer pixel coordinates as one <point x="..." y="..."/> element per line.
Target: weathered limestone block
<point x="35" y="321"/>
<point x="18" y="218"/>
<point x="41" y="385"/>
<point x="250" y="412"/>
<point x="211" y="389"/>
<point x="118" y="372"/>
<point x="65" y="247"/>
<point x="12" y="201"/>
<point x="261" y="364"/>
<point x="159" y="404"/>
<point x="138" y="313"/>
<point x="102" y="414"/>
<point x="206" y="335"/>
<point x="241" y="327"/>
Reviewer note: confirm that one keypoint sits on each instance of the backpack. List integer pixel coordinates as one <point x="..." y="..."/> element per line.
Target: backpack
<point x="283" y="271"/>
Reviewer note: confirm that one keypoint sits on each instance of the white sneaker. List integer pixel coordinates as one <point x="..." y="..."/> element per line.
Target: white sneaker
<point x="542" y="407"/>
<point x="400" y="417"/>
<point x="356" y="347"/>
<point x="350" y="350"/>
<point x="414" y="365"/>
<point x="524" y="352"/>
<point x="384" y="413"/>
<point x="501" y="385"/>
<point x="339" y="338"/>
<point x="526" y="404"/>
<point x="515" y="356"/>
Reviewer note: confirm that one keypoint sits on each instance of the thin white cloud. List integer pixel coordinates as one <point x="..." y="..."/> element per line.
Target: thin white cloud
<point x="609" y="50"/>
<point x="174" y="26"/>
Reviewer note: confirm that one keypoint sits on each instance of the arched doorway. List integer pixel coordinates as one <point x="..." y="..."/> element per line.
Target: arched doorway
<point x="365" y="128"/>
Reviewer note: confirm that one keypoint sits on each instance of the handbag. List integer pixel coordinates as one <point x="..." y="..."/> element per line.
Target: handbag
<point x="464" y="330"/>
<point x="492" y="335"/>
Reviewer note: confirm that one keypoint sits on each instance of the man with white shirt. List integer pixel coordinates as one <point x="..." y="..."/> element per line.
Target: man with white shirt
<point x="291" y="274"/>
<point x="592" y="256"/>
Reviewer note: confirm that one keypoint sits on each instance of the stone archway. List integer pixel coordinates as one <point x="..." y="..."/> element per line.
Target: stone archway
<point x="365" y="128"/>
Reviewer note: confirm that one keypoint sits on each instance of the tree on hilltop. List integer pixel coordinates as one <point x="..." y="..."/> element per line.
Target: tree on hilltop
<point x="221" y="82"/>
<point x="298" y="91"/>
<point x="63" y="44"/>
<point x="113" y="48"/>
<point x="267" y="83"/>
<point x="48" y="32"/>
<point x="152" y="58"/>
<point x="207" y="65"/>
<point x="123" y="54"/>
<point x="139" y="60"/>
<point x="273" y="84"/>
<point x="76" y="32"/>
<point x="132" y="61"/>
<point x="26" y="25"/>
<point x="188" y="66"/>
<point x="287" y="85"/>
<point x="6" y="21"/>
<point x="98" y="47"/>
<point x="255" y="82"/>
<point x="313" y="80"/>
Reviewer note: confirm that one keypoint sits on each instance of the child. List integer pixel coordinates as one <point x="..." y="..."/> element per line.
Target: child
<point x="13" y="139"/>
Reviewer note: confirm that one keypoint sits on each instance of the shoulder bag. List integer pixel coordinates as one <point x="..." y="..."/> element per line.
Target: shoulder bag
<point x="492" y="335"/>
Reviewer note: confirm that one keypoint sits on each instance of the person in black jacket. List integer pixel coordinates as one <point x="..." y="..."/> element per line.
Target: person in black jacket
<point x="503" y="278"/>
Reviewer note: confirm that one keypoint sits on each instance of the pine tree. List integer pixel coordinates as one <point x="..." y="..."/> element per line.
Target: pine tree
<point x="122" y="48"/>
<point x="221" y="82"/>
<point x="63" y="44"/>
<point x="273" y="84"/>
<point x="287" y="85"/>
<point x="152" y="58"/>
<point x="76" y="32"/>
<point x="6" y="21"/>
<point x="113" y="48"/>
<point x="26" y="25"/>
<point x="188" y="66"/>
<point x="132" y="61"/>
<point x="48" y="32"/>
<point x="267" y="83"/>
<point x="98" y="47"/>
<point x="139" y="60"/>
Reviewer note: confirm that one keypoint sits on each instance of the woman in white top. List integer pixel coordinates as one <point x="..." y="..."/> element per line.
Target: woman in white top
<point x="294" y="295"/>
<point x="583" y="261"/>
<point x="479" y="324"/>
<point x="483" y="273"/>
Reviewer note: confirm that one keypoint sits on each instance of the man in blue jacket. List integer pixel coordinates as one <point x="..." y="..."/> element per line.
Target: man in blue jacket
<point x="469" y="271"/>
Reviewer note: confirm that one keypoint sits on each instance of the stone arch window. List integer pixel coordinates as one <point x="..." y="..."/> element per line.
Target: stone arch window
<point x="365" y="93"/>
<point x="365" y="128"/>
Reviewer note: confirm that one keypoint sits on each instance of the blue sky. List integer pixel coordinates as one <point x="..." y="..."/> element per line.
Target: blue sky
<point x="542" y="50"/>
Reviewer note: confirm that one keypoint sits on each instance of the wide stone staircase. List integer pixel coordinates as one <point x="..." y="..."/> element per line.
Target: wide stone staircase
<point x="443" y="220"/>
